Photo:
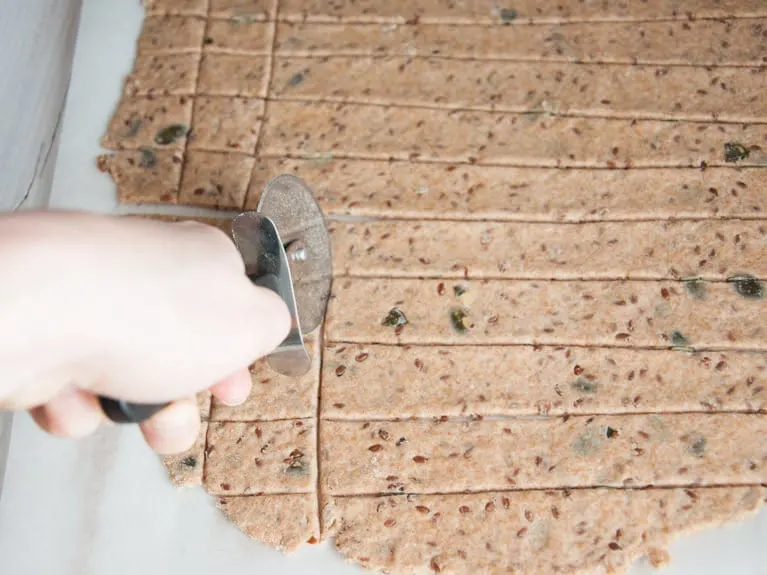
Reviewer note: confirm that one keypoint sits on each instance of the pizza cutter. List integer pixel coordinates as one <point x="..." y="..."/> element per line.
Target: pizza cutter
<point x="286" y="248"/>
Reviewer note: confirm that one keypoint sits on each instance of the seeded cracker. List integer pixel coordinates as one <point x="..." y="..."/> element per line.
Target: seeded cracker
<point x="276" y="396"/>
<point x="161" y="122"/>
<point x="700" y="42"/>
<point x="588" y="89"/>
<point x="614" y="451"/>
<point x="461" y="191"/>
<point x="215" y="179"/>
<point x="463" y="381"/>
<point x="442" y="11"/>
<point x="163" y="74"/>
<point x="383" y="132"/>
<point x="144" y="176"/>
<point x="552" y="313"/>
<point x="228" y="75"/>
<point x="234" y="36"/>
<point x="186" y="469"/>
<point x="171" y="34"/>
<point x="643" y="363"/>
<point x="262" y="457"/>
<point x="640" y="250"/>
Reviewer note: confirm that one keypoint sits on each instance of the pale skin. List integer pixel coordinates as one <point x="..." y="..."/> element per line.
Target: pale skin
<point x="140" y="310"/>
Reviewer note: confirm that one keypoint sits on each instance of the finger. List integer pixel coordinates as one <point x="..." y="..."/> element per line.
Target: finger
<point x="233" y="390"/>
<point x="174" y="429"/>
<point x="72" y="413"/>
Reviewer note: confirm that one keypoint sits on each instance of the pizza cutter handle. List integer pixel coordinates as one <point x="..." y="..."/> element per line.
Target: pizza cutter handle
<point x="124" y="412"/>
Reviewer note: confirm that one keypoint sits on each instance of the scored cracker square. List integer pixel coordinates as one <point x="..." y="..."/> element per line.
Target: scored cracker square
<point x="172" y="34"/>
<point x="150" y="121"/>
<point x="242" y="11"/>
<point x="246" y="458"/>
<point x="226" y="124"/>
<point x="163" y="74"/>
<point x="186" y="469"/>
<point x="145" y="176"/>
<point x="192" y="7"/>
<point x="233" y="75"/>
<point x="215" y="179"/>
<point x="276" y="396"/>
<point x="232" y="36"/>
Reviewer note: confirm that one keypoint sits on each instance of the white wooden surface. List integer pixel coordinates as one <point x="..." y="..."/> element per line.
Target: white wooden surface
<point x="103" y="506"/>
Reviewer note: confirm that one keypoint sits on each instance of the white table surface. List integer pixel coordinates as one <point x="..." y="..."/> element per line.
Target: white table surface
<point x="103" y="505"/>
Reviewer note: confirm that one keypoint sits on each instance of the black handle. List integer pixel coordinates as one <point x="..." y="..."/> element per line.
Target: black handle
<point x="124" y="412"/>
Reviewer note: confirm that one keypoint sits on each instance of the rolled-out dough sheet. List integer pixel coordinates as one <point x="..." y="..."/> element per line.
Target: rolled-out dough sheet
<point x="581" y="348"/>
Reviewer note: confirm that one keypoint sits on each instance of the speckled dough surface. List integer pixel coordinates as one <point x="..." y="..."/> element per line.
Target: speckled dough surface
<point x="607" y="313"/>
<point x="703" y="42"/>
<point x="464" y="381"/>
<point x="383" y="132"/>
<point x="557" y="292"/>
<point x="641" y="250"/>
<point x="583" y="451"/>
<point x="593" y="531"/>
<point x="734" y="94"/>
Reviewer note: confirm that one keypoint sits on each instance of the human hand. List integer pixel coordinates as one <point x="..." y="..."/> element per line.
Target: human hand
<point x="135" y="309"/>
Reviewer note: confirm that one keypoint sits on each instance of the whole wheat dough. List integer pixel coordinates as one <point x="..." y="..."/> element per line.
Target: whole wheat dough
<point x="657" y="381"/>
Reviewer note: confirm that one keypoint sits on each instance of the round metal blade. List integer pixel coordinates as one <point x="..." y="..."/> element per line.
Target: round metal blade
<point x="290" y="204"/>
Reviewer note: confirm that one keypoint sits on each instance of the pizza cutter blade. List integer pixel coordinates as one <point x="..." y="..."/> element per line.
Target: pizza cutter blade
<point x="285" y="246"/>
